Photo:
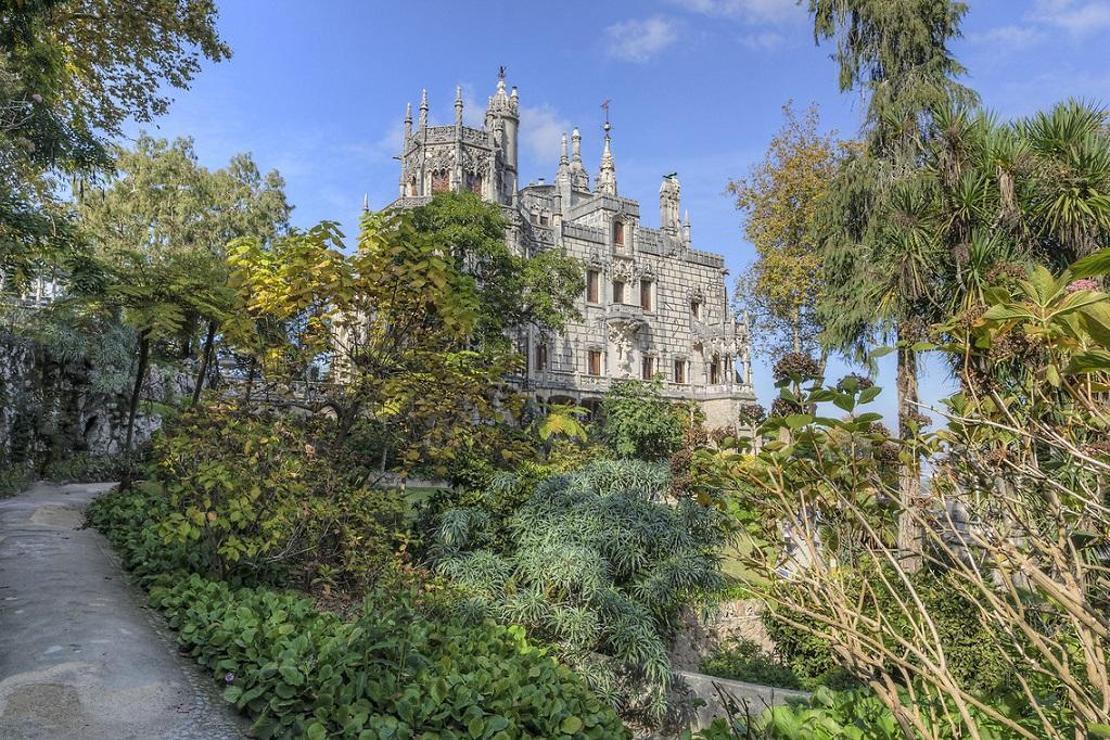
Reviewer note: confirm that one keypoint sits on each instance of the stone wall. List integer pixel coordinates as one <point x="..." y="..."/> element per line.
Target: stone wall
<point x="50" y="409"/>
<point x="700" y="634"/>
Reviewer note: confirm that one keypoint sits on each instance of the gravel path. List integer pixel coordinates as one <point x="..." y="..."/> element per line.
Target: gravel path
<point x="81" y="656"/>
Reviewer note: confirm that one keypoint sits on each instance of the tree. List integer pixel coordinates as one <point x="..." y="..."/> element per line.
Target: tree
<point x="637" y="422"/>
<point x="781" y="197"/>
<point x="514" y="291"/>
<point x="414" y="326"/>
<point x="161" y="226"/>
<point x="397" y="323"/>
<point x="880" y="252"/>
<point x="71" y="73"/>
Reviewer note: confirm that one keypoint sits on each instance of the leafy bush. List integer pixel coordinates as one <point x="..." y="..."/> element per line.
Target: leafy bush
<point x="394" y="671"/>
<point x="596" y="565"/>
<point x="254" y="502"/>
<point x="638" y="422"/>
<point x="744" y="660"/>
<point x="130" y="518"/>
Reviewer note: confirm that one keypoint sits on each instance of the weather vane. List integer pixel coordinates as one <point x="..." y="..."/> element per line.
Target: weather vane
<point x="605" y="105"/>
<point x="501" y="71"/>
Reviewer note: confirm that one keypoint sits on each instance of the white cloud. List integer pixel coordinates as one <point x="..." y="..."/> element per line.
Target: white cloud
<point x="763" y="40"/>
<point x="640" y="40"/>
<point x="750" y="11"/>
<point x="1079" y="18"/>
<point x="541" y="129"/>
<point x="1007" y="38"/>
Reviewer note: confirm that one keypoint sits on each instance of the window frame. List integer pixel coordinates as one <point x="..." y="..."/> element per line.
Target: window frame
<point x="591" y="355"/>
<point x="647" y="294"/>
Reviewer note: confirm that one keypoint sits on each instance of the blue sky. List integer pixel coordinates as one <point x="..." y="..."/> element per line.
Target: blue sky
<point x="317" y="90"/>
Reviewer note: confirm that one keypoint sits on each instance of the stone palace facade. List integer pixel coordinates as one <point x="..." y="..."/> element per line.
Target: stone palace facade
<point x="652" y="306"/>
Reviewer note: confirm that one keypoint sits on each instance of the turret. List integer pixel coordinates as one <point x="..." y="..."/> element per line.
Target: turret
<point x="408" y="122"/>
<point x="458" y="106"/>
<point x="424" y="108"/>
<point x="503" y="117"/>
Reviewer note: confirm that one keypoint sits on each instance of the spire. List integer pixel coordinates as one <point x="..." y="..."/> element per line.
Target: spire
<point x="408" y="121"/>
<point x="579" y="178"/>
<point x="607" y="175"/>
<point x="365" y="202"/>
<point x="686" y="236"/>
<point x="424" y="108"/>
<point x="563" y="161"/>
<point x="458" y="105"/>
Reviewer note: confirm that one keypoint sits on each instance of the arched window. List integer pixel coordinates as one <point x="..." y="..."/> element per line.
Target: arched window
<point x="618" y="233"/>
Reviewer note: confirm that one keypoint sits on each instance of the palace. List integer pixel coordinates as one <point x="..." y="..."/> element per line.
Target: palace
<point x="652" y="306"/>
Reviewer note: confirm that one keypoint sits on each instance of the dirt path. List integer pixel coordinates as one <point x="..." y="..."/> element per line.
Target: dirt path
<point x="80" y="654"/>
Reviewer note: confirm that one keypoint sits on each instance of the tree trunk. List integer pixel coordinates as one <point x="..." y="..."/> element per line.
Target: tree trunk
<point x="205" y="358"/>
<point x="909" y="476"/>
<point x="140" y="376"/>
<point x="796" y="330"/>
<point x="250" y="382"/>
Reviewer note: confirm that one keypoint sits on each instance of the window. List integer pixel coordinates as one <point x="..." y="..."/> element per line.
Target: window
<point x="618" y="233"/>
<point x="618" y="291"/>
<point x="647" y="368"/>
<point x="593" y="362"/>
<point x="680" y="371"/>
<point x="593" y="286"/>
<point x="715" y="370"/>
<point x="695" y="309"/>
<point x="541" y="357"/>
<point x="646" y="291"/>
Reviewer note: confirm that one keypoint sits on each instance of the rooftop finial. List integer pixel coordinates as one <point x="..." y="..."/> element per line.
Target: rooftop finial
<point x="458" y="105"/>
<point x="563" y="160"/>
<point x="424" y="107"/>
<point x="365" y="202"/>
<point x="607" y="175"/>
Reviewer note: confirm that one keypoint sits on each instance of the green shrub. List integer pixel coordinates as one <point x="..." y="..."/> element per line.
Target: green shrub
<point x="14" y="479"/>
<point x="973" y="652"/>
<point x="596" y="565"/>
<point x="744" y="660"/>
<point x="638" y="422"/>
<point x="260" y="504"/>
<point x="394" y="671"/>
<point x="808" y="657"/>
<point x="129" y="519"/>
